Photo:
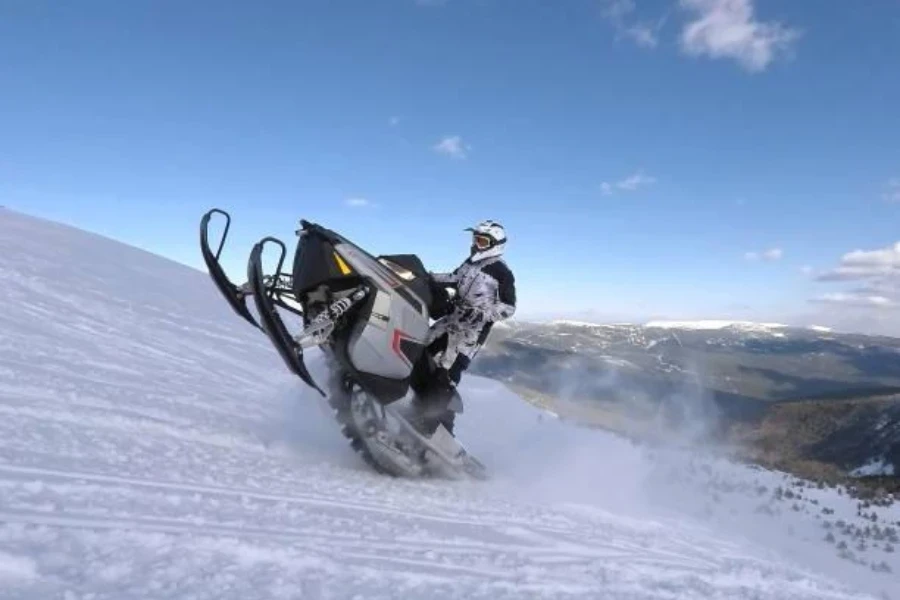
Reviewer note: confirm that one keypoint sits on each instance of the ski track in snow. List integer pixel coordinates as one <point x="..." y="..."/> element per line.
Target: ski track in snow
<point x="153" y="446"/>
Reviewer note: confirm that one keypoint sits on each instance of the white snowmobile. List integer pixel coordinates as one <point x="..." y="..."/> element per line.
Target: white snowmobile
<point x="371" y="317"/>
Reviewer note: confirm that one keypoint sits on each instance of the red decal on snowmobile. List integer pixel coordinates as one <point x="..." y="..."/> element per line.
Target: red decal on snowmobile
<point x="399" y="336"/>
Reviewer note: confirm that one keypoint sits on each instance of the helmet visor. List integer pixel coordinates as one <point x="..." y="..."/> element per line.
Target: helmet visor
<point x="482" y="242"/>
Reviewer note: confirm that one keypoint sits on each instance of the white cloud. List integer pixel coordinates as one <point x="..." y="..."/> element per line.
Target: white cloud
<point x="635" y="181"/>
<point x="452" y="146"/>
<point x="643" y="35"/>
<point x="772" y="254"/>
<point x="619" y="13"/>
<point x="728" y="29"/>
<point x="892" y="190"/>
<point x="617" y="9"/>
<point x="879" y="266"/>
<point x="628" y="184"/>
<point x="854" y="299"/>
<point x="876" y="271"/>
<point x="807" y="270"/>
<point x="357" y="202"/>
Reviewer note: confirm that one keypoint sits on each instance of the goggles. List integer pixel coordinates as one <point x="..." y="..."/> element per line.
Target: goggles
<point x="482" y="242"/>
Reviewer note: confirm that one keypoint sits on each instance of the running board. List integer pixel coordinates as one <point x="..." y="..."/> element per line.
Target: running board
<point x="467" y="463"/>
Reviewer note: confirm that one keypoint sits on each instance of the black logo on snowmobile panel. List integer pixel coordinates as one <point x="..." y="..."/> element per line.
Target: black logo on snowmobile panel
<point x="380" y="317"/>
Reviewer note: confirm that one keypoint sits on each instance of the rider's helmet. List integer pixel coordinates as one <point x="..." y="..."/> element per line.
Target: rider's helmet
<point x="488" y="239"/>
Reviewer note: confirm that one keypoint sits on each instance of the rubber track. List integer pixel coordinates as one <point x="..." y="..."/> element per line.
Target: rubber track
<point x="340" y="403"/>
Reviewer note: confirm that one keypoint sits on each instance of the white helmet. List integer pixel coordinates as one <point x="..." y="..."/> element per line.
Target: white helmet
<point x="488" y="239"/>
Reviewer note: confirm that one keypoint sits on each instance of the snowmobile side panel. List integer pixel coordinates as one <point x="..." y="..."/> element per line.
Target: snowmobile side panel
<point x="232" y="294"/>
<point x="380" y="345"/>
<point x="272" y="324"/>
<point x="389" y="341"/>
<point x="383" y="389"/>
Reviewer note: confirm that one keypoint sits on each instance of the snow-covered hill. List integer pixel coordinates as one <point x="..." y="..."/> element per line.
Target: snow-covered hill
<point x="625" y="375"/>
<point x="153" y="446"/>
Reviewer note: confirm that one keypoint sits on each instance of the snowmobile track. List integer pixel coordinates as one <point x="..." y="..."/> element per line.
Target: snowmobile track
<point x="514" y="539"/>
<point x="341" y="407"/>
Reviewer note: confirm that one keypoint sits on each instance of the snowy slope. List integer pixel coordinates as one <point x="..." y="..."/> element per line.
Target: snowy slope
<point x="153" y="446"/>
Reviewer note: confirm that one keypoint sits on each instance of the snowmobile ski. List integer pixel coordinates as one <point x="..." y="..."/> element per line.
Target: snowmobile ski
<point x="290" y="352"/>
<point x="234" y="295"/>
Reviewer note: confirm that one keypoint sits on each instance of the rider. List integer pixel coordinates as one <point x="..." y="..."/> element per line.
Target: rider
<point x="485" y="292"/>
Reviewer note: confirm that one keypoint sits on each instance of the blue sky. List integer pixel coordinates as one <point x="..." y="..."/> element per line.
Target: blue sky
<point x="639" y="153"/>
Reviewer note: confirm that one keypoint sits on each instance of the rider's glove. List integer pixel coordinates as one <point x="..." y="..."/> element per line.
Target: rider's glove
<point x="471" y="316"/>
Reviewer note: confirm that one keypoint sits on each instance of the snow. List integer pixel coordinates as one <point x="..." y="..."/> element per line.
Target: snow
<point x="619" y="362"/>
<point x="153" y="446"/>
<point x="574" y="323"/>
<point x="699" y="325"/>
<point x="878" y="466"/>
<point x="714" y="324"/>
<point x="588" y="324"/>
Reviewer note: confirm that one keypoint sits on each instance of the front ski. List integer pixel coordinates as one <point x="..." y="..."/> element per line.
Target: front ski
<point x="235" y="296"/>
<point x="291" y="352"/>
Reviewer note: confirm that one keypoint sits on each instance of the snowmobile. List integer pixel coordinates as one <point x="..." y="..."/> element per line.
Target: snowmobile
<point x="370" y="316"/>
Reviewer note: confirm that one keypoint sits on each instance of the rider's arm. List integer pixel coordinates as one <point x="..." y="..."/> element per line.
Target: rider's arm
<point x="504" y="305"/>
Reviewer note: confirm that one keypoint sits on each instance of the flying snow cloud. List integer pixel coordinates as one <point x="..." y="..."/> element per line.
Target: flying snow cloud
<point x="629" y="184"/>
<point x="728" y="29"/>
<point x="452" y="146"/>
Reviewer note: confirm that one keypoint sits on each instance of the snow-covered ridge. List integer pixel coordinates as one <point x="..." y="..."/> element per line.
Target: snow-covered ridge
<point x="703" y="324"/>
<point x="577" y="323"/>
<point x="715" y="324"/>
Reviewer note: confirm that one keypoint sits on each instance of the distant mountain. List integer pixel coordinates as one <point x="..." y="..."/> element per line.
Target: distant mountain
<point x="718" y="378"/>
